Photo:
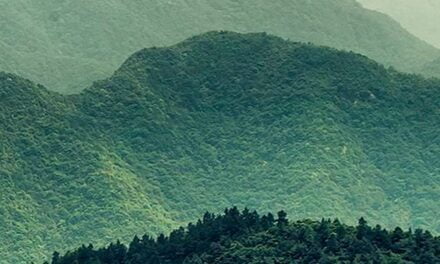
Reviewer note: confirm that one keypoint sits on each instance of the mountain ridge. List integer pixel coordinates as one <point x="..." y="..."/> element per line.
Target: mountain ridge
<point x="46" y="41"/>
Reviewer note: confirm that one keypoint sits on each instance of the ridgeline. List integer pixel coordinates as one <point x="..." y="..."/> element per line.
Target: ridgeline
<point x="67" y="45"/>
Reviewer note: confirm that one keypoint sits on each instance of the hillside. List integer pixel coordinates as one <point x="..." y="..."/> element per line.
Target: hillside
<point x="67" y="45"/>
<point x="246" y="237"/>
<point x="220" y="119"/>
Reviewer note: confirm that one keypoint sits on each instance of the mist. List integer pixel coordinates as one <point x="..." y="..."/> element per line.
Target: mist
<point x="420" y="17"/>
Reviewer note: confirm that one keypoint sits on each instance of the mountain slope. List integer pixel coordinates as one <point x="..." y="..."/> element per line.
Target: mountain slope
<point x="66" y="45"/>
<point x="220" y="119"/>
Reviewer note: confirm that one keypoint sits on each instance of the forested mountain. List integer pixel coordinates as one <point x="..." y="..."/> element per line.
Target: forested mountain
<point x="220" y="119"/>
<point x="246" y="237"/>
<point x="66" y="45"/>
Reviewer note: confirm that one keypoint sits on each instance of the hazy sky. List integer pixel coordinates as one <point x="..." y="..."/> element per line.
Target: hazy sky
<point x="420" y="17"/>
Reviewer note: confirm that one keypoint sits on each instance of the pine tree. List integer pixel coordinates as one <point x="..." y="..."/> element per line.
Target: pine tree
<point x="267" y="221"/>
<point x="362" y="230"/>
<point x="282" y="219"/>
<point x="55" y="258"/>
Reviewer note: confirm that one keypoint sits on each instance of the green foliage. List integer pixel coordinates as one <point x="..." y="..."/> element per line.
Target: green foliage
<point x="242" y="237"/>
<point x="220" y="119"/>
<point x="66" y="45"/>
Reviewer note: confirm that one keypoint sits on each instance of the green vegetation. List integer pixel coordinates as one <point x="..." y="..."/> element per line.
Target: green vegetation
<point x="218" y="120"/>
<point x="66" y="45"/>
<point x="245" y="237"/>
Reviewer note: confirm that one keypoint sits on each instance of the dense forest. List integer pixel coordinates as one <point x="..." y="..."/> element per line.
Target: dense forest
<point x="246" y="237"/>
<point x="220" y="119"/>
<point x="66" y="45"/>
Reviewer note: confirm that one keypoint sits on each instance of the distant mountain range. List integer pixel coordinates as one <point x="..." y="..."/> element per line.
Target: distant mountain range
<point x="420" y="17"/>
<point x="220" y="119"/>
<point x="67" y="45"/>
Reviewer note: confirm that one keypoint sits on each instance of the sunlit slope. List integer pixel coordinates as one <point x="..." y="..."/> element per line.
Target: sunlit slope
<point x="218" y="120"/>
<point x="59" y="186"/>
<point x="67" y="45"/>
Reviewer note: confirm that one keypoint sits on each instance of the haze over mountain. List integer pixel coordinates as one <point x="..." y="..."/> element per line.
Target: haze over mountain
<point x="420" y="17"/>
<point x="218" y="120"/>
<point x="67" y="45"/>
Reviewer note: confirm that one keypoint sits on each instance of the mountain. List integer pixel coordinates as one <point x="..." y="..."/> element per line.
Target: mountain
<point x="420" y="17"/>
<point x="67" y="45"/>
<point x="220" y="119"/>
<point x="246" y="237"/>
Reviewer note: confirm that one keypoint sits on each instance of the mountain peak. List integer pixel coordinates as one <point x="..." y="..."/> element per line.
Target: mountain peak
<point x="184" y="72"/>
<point x="209" y="41"/>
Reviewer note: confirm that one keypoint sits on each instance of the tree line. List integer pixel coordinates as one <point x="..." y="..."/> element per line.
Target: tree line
<point x="246" y="237"/>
